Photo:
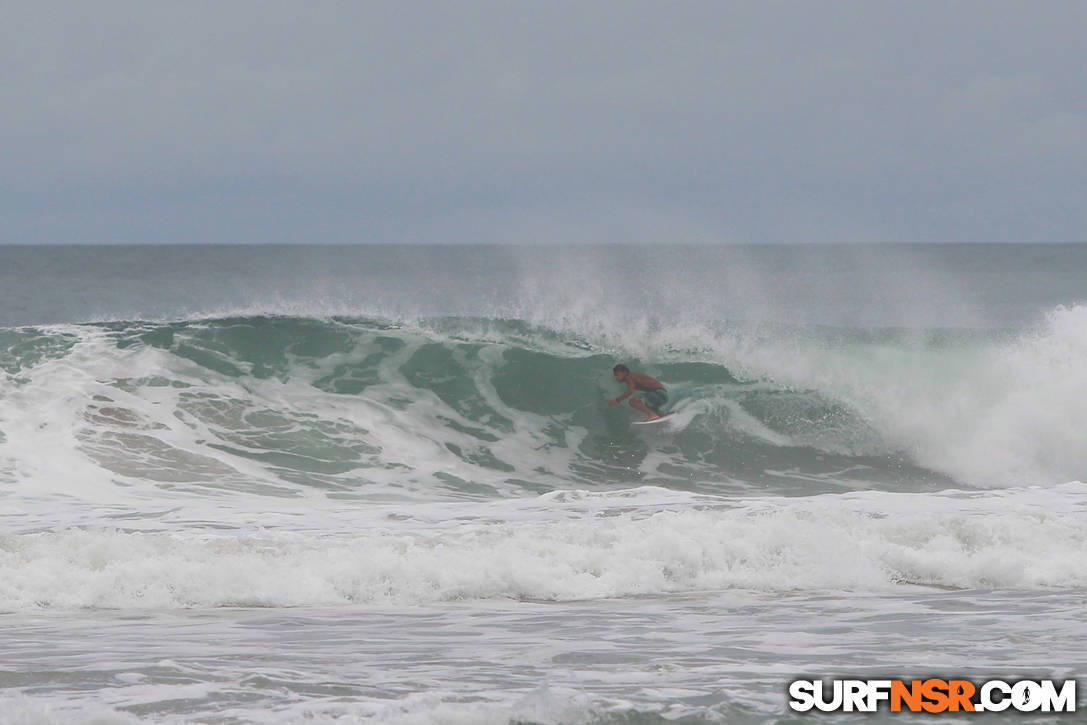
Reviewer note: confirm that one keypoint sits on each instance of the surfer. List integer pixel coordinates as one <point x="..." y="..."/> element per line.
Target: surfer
<point x="650" y="403"/>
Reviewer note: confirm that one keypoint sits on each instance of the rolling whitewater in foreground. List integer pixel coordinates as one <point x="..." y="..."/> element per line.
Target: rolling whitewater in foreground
<point x="383" y="484"/>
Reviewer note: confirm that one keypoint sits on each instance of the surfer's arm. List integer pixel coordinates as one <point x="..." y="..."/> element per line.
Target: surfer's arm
<point x="624" y="396"/>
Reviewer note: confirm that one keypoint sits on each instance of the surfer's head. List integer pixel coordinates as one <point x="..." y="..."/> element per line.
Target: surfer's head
<point x="620" y="372"/>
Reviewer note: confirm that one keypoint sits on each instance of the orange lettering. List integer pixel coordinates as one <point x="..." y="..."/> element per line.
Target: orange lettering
<point x="959" y="693"/>
<point x="934" y="691"/>
<point x="911" y="695"/>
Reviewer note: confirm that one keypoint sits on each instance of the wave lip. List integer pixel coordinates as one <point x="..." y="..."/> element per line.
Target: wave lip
<point x="870" y="542"/>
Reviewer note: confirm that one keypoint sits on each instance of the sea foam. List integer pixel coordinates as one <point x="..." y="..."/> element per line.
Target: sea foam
<point x="1024" y="539"/>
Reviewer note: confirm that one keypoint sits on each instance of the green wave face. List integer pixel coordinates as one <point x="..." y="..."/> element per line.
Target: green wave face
<point x="458" y="407"/>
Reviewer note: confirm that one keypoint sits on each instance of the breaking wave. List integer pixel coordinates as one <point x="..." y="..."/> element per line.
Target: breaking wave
<point x="476" y="408"/>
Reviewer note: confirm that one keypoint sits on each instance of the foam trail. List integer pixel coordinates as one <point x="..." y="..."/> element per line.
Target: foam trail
<point x="1021" y="539"/>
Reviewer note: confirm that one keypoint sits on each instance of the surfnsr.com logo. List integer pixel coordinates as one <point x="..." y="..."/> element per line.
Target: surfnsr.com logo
<point x="933" y="695"/>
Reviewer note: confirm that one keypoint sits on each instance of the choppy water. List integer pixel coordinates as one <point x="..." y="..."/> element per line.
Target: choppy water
<point x="384" y="485"/>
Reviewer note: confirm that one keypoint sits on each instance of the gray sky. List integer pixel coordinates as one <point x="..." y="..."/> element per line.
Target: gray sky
<point x="549" y="122"/>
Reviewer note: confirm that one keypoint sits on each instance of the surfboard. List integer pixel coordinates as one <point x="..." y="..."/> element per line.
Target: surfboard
<point x="661" y="419"/>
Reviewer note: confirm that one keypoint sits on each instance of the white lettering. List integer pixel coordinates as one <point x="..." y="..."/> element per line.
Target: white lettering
<point x="878" y="690"/>
<point x="803" y="694"/>
<point x="821" y="701"/>
<point x="1026" y="696"/>
<point x="1063" y="701"/>
<point x="988" y="704"/>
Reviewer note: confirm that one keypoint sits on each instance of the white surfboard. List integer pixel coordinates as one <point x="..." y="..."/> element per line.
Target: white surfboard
<point x="664" y="418"/>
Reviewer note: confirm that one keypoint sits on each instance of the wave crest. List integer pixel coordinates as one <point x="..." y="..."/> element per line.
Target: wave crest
<point x="473" y="407"/>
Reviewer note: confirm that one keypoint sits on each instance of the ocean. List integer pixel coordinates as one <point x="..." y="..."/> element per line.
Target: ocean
<point x="382" y="484"/>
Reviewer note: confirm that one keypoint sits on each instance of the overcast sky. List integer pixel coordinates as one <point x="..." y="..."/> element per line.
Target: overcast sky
<point x="544" y="122"/>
